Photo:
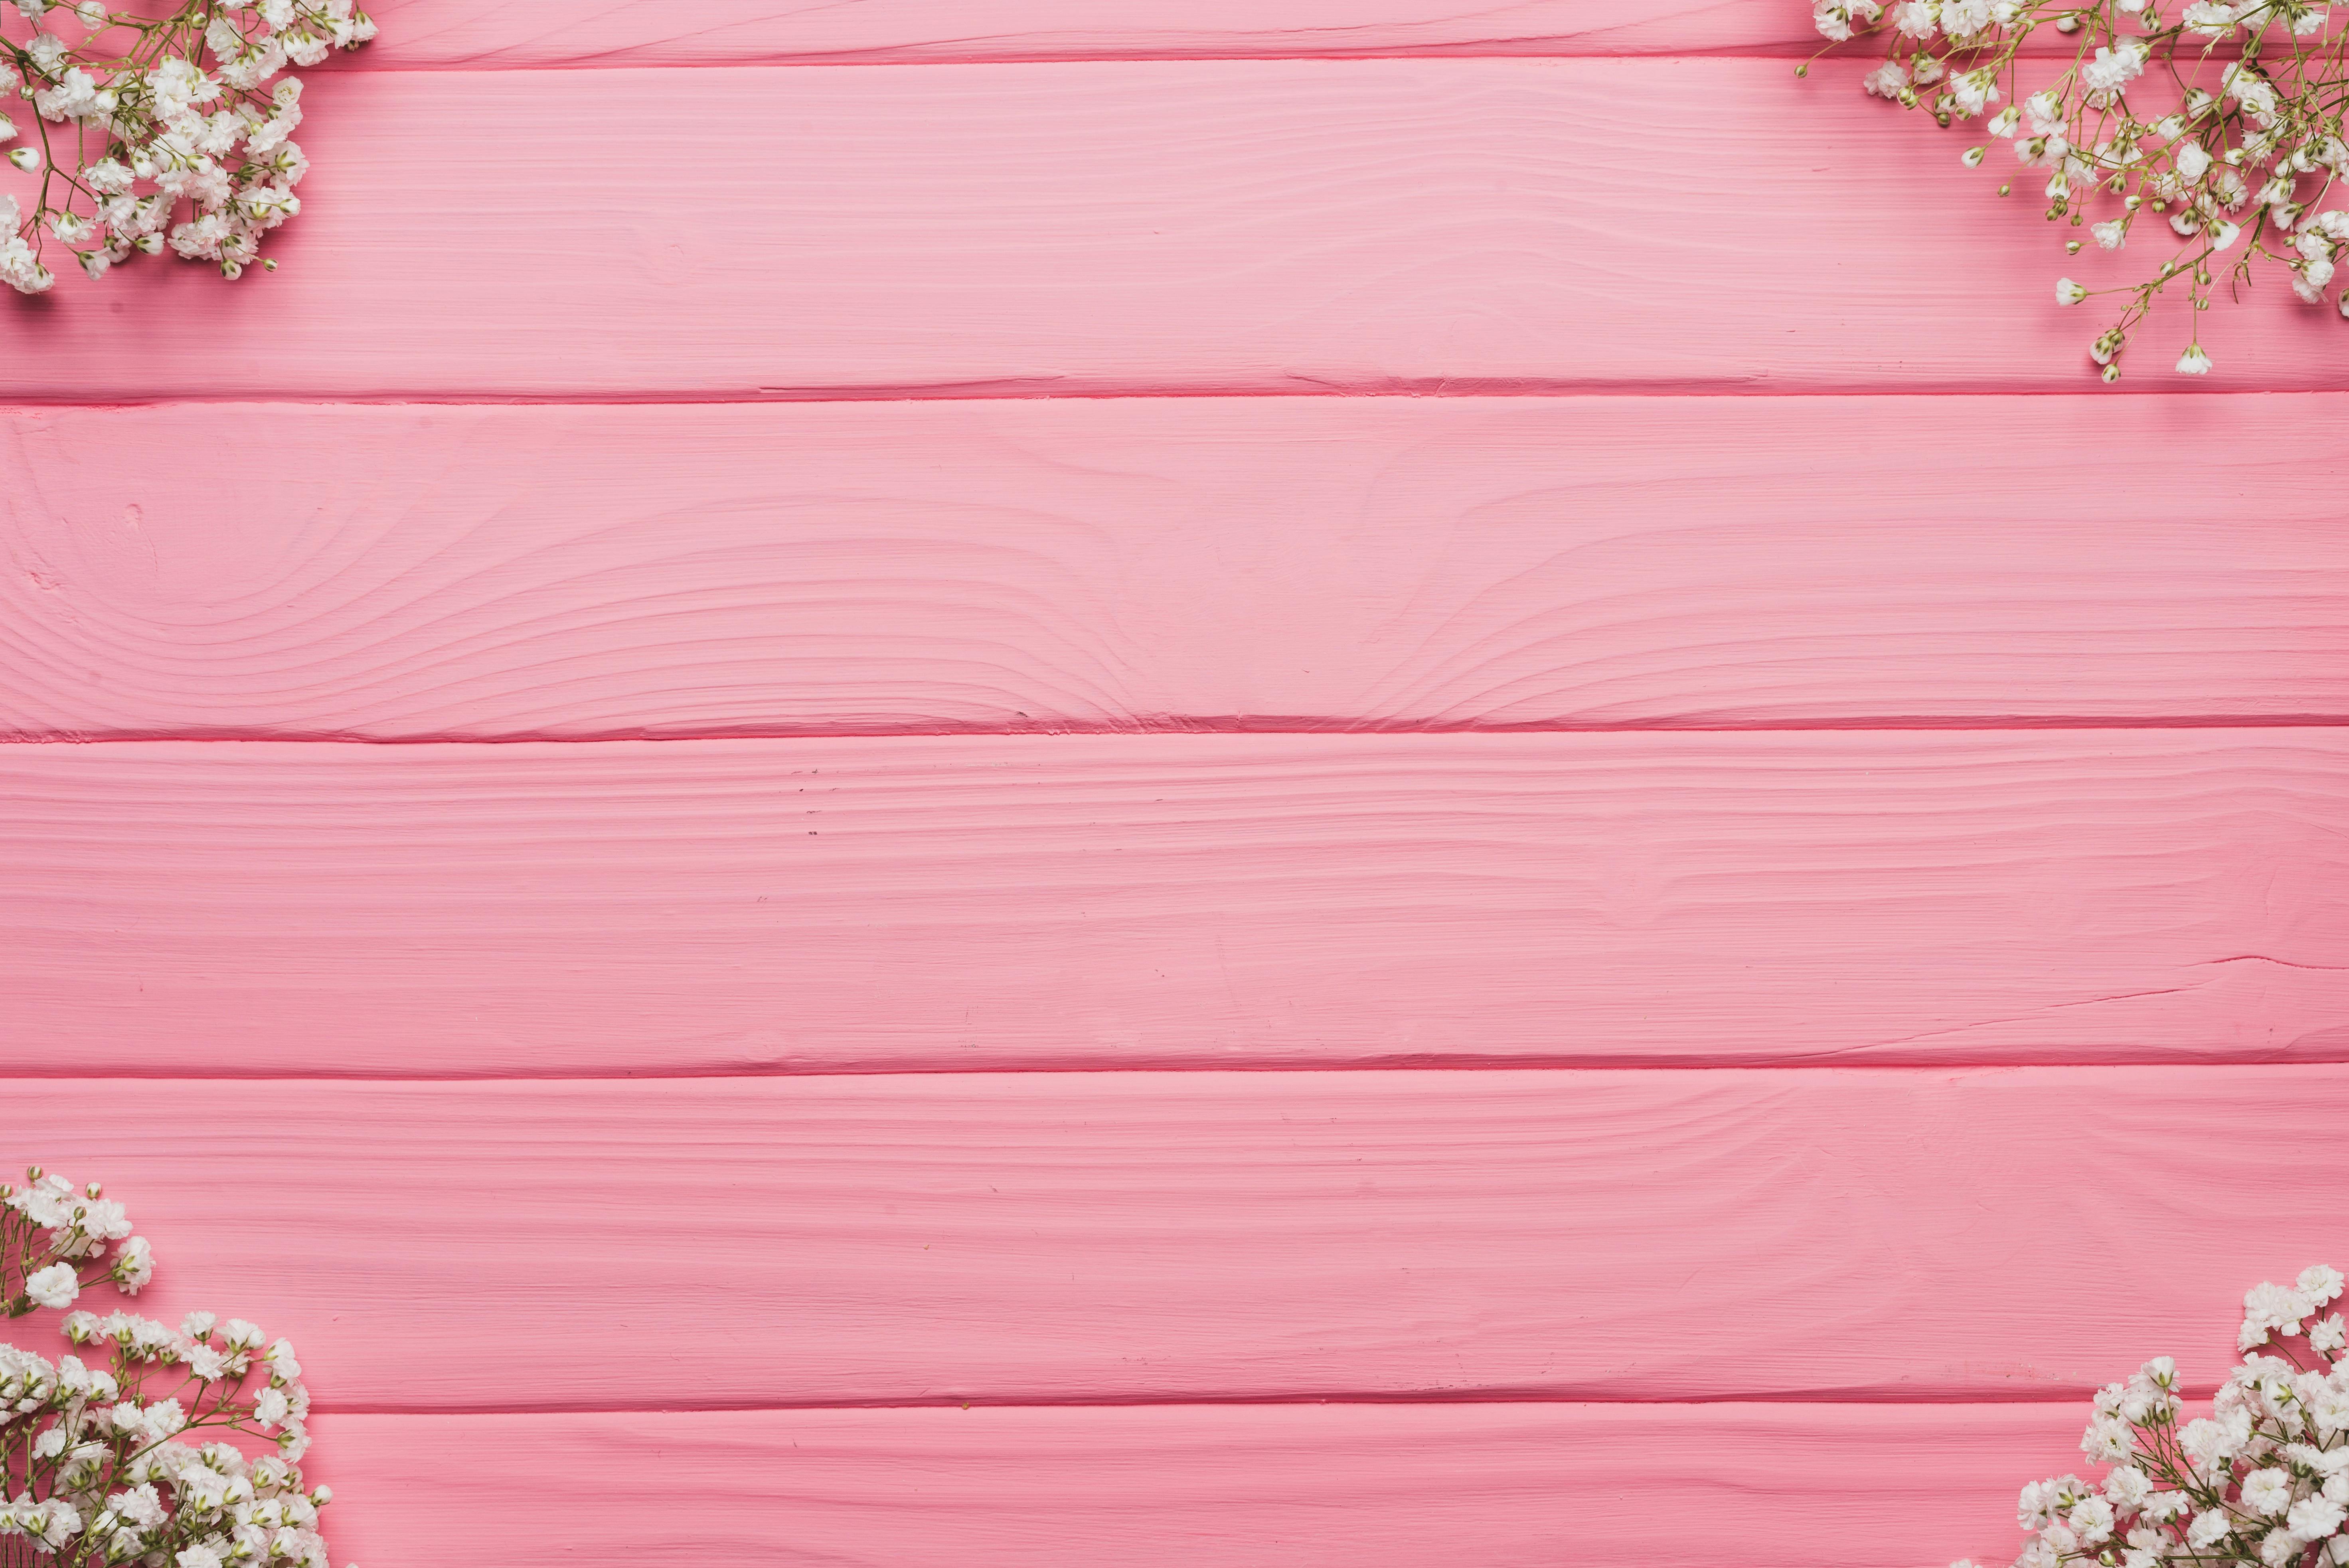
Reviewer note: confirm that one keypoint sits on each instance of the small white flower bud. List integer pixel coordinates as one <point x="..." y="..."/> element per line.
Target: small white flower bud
<point x="25" y="158"/>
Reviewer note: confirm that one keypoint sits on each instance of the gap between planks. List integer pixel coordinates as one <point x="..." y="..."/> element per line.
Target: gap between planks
<point x="1794" y="51"/>
<point x="1519" y="389"/>
<point x="1466" y="1398"/>
<point x="1449" y="387"/>
<point x="1180" y="725"/>
<point x="1159" y="1068"/>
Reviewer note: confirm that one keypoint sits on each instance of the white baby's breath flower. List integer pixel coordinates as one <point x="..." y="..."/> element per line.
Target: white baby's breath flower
<point x="197" y="117"/>
<point x="2209" y="1529"/>
<point x="54" y="1287"/>
<point x="2315" y="1518"/>
<point x="2113" y="68"/>
<point x="2267" y="1491"/>
<point x="2272" y="1308"/>
<point x="2091" y="1521"/>
<point x="134" y="1265"/>
<point x="107" y="1469"/>
<point x="2262" y="1480"/>
<point x="1970" y="92"/>
<point x="2126" y="1488"/>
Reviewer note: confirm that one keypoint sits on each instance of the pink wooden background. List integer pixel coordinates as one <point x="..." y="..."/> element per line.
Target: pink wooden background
<point x="947" y="783"/>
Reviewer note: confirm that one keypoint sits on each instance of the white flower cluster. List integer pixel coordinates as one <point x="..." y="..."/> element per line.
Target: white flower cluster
<point x="156" y="147"/>
<point x="2263" y="1478"/>
<point x="103" y="1457"/>
<point x="2219" y="132"/>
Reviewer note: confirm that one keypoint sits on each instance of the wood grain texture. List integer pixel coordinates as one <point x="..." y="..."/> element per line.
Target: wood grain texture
<point x="1099" y="564"/>
<point x="1340" y="1486"/>
<point x="1136" y="1237"/>
<point x="1435" y="226"/>
<point x="1126" y="901"/>
<point x="727" y="32"/>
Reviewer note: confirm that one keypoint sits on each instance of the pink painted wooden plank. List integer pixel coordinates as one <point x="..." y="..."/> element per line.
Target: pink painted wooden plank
<point x="1337" y="1486"/>
<point x="981" y="902"/>
<point x="576" y="572"/>
<point x="724" y="32"/>
<point x="1128" y="1237"/>
<point x="1448" y="226"/>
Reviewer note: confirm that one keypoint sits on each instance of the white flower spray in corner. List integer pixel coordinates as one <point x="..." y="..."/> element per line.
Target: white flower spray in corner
<point x="2262" y="1480"/>
<point x="155" y="119"/>
<point x="106" y="1459"/>
<point x="2219" y="132"/>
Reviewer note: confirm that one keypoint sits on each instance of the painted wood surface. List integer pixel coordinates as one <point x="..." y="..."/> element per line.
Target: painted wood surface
<point x="1333" y="1486"/>
<point x="1142" y="1237"/>
<point x="1248" y="564"/>
<point x="727" y="32"/>
<point x="1157" y="368"/>
<point x="1303" y="227"/>
<point x="1128" y="901"/>
<point x="443" y="33"/>
<point x="428" y="34"/>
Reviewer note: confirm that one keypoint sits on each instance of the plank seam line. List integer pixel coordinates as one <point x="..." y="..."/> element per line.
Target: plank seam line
<point x="1825" y="1063"/>
<point x="1577" y="393"/>
<point x="1450" y="389"/>
<point x="1891" y="725"/>
<point x="1462" y="1399"/>
<point x="1494" y="49"/>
